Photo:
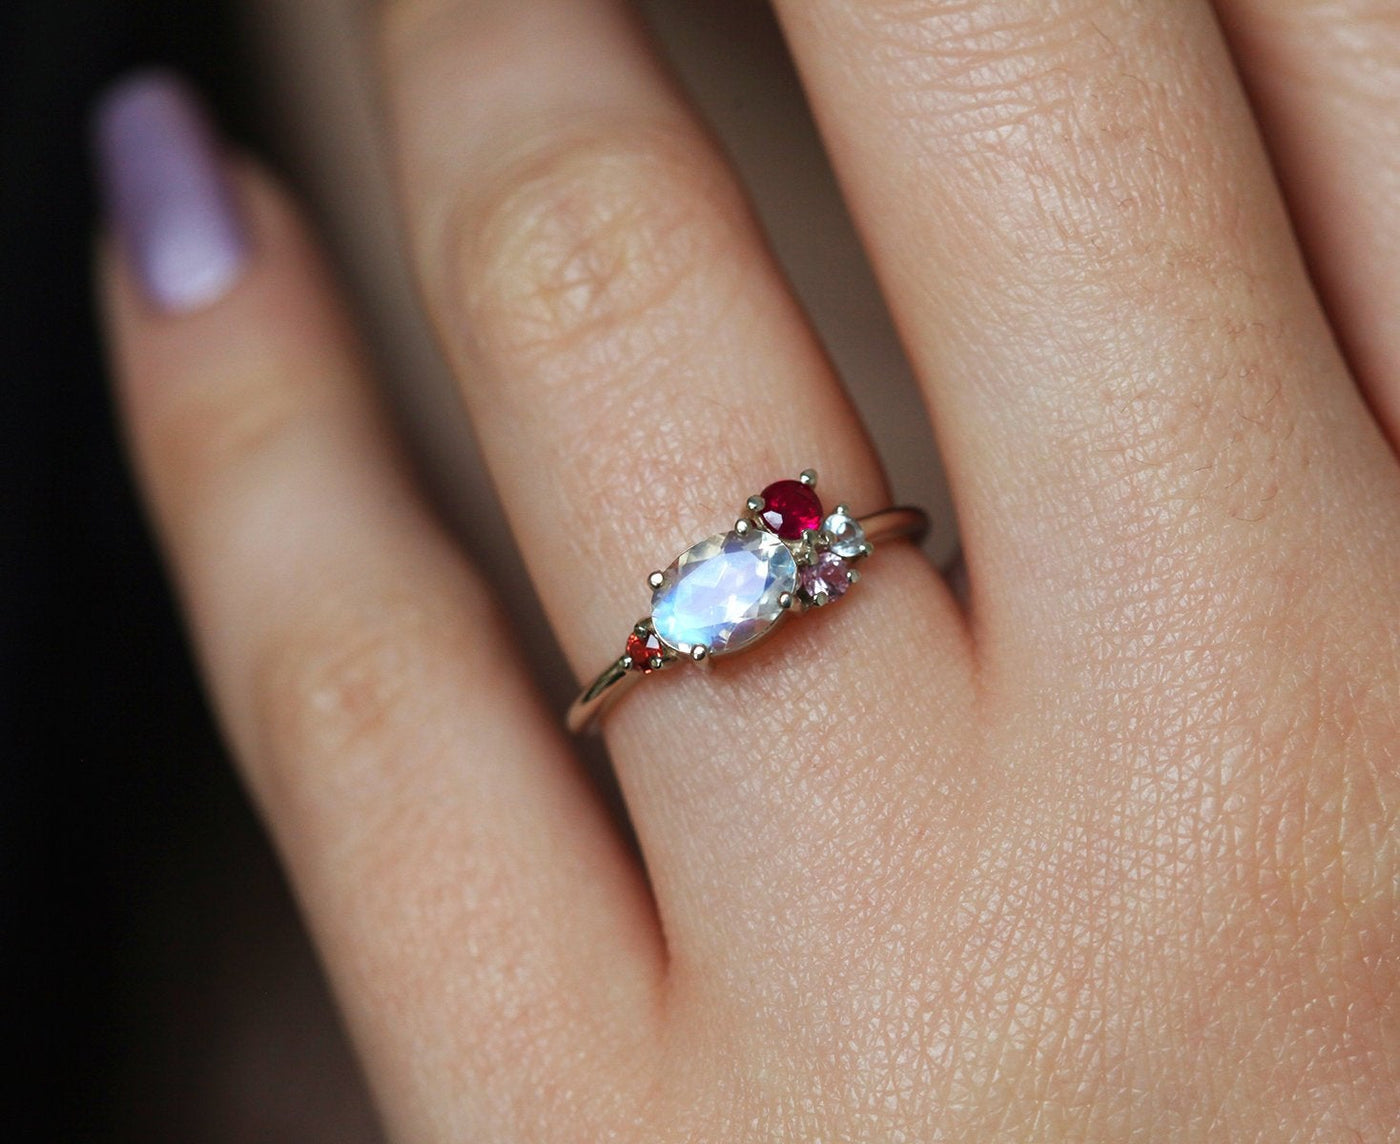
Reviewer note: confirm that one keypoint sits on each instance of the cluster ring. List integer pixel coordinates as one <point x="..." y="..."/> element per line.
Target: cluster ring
<point x="783" y="556"/>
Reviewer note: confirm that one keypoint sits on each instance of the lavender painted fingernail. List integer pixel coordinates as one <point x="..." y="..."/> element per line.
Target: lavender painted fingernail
<point x="167" y="193"/>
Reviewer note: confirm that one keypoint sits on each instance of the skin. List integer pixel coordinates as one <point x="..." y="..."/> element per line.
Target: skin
<point x="1109" y="854"/>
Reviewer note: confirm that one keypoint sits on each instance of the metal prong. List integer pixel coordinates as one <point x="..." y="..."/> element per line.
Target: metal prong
<point x="655" y="580"/>
<point x="699" y="653"/>
<point x="655" y="662"/>
<point x="642" y="627"/>
<point x="755" y="503"/>
<point x="742" y="526"/>
<point x="785" y="601"/>
<point x="625" y="663"/>
<point x="852" y="576"/>
<point x="809" y="478"/>
<point x="843" y="509"/>
<point x="824" y="538"/>
<point x="866" y="549"/>
<point x="810" y="537"/>
<point x="821" y="599"/>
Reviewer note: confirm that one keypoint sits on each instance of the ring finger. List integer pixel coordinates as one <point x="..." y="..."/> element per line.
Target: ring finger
<point x="635" y="367"/>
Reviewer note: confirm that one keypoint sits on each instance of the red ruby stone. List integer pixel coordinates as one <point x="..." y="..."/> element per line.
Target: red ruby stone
<point x="790" y="508"/>
<point x="643" y="649"/>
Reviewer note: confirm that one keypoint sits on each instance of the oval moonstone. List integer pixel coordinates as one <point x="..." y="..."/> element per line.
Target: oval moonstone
<point x="723" y="593"/>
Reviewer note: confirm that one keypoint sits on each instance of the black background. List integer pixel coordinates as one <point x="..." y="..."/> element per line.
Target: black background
<point x="146" y="929"/>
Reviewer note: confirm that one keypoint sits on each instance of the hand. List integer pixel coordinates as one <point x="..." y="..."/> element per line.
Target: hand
<point x="1110" y="854"/>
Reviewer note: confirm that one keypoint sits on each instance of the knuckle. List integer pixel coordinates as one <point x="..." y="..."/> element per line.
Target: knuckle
<point x="1221" y="437"/>
<point x="1167" y="449"/>
<point x="340" y="692"/>
<point x="1055" y="109"/>
<point x="591" y="250"/>
<point x="207" y="431"/>
<point x="982" y="67"/>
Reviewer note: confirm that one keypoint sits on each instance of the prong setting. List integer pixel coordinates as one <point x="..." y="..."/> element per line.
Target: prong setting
<point x="823" y="553"/>
<point x="782" y="556"/>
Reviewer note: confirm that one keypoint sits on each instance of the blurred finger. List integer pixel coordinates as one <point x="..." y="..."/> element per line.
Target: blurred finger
<point x="478" y="914"/>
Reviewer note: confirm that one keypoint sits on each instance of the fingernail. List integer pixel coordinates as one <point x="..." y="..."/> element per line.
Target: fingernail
<point x="166" y="191"/>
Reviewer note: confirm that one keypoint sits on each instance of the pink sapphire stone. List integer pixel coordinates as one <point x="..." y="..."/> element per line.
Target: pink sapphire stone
<point x="790" y="508"/>
<point x="827" y="576"/>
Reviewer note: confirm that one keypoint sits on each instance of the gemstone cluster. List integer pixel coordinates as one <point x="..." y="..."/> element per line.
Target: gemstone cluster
<point x="731" y="589"/>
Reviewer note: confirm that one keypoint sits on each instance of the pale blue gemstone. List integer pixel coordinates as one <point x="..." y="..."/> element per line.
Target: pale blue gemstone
<point x="847" y="536"/>
<point x="724" y="592"/>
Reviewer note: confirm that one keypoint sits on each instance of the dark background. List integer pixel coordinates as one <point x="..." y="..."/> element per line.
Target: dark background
<point x="158" y="985"/>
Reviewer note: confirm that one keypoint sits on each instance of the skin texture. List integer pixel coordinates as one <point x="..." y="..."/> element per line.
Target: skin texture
<point x="1111" y="854"/>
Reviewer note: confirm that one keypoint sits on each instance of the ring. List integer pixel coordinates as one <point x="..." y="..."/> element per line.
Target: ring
<point x="784" y="555"/>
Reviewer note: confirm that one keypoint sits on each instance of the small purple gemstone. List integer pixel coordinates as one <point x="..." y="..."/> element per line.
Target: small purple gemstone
<point x="827" y="575"/>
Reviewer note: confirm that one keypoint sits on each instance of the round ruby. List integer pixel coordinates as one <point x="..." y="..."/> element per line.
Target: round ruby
<point x="790" y="508"/>
<point x="643" y="649"/>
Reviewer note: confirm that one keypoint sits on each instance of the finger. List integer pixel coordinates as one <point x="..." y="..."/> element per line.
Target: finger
<point x="476" y="913"/>
<point x="635" y="368"/>
<point x="1081" y="239"/>
<point x="1325" y="82"/>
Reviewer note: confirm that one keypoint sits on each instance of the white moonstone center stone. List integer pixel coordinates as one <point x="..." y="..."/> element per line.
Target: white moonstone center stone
<point x="723" y="592"/>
